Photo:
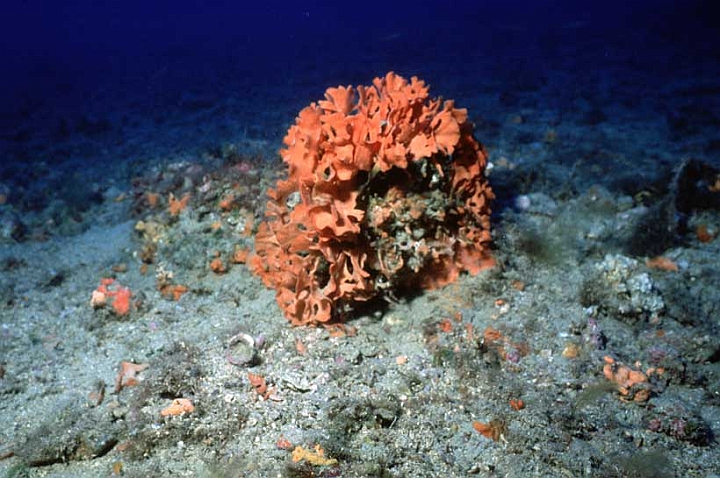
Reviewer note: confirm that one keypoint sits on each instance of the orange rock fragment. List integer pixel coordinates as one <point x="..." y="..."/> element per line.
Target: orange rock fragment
<point x="121" y="304"/>
<point x="179" y="406"/>
<point x="703" y="233"/>
<point x="111" y="292"/>
<point x="663" y="263"/>
<point x="446" y="325"/>
<point x="218" y="266"/>
<point x="495" y="429"/>
<point x="127" y="376"/>
<point x="340" y="330"/>
<point x="176" y="206"/>
<point x="492" y="335"/>
<point x="260" y="385"/>
<point x="152" y="199"/>
<point x="632" y="384"/>
<point x="98" y="299"/>
<point x="283" y="443"/>
<point x="173" y="291"/>
<point x="315" y="457"/>
<point x="240" y="255"/>
<point x="227" y="202"/>
<point x="498" y="343"/>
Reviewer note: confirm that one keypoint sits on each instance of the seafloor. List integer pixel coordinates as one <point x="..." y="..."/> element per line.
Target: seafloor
<point x="598" y="172"/>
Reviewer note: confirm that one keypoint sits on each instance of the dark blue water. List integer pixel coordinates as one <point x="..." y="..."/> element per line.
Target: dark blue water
<point x="102" y="84"/>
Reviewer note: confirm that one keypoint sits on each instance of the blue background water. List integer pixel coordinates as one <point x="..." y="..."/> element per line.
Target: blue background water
<point x="96" y="84"/>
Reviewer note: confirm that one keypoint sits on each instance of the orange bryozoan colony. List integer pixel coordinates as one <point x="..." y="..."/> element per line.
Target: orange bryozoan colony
<point x="385" y="192"/>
